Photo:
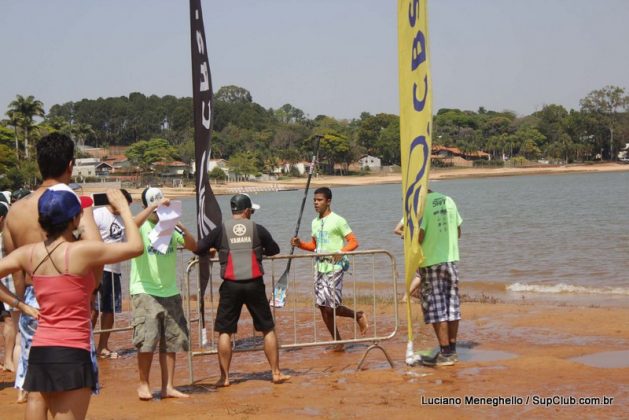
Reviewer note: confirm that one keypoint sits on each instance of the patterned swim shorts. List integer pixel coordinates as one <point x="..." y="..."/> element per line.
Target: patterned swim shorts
<point x="440" y="293"/>
<point x="328" y="288"/>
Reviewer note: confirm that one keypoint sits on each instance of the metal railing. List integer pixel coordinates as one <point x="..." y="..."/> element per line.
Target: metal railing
<point x="361" y="288"/>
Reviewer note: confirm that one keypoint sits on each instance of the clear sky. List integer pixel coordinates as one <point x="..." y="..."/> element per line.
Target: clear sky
<point x="334" y="57"/>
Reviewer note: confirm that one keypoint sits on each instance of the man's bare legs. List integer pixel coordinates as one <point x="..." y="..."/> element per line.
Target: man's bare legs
<point x="106" y="323"/>
<point x="225" y="357"/>
<point x="327" y="314"/>
<point x="271" y="350"/>
<point x="446" y="332"/>
<point x="145" y="360"/>
<point x="167" y="366"/>
<point x="10" y="333"/>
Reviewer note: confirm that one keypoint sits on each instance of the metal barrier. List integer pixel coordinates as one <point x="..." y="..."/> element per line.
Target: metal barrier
<point x="369" y="291"/>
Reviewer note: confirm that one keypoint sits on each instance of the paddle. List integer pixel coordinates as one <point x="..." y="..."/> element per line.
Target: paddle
<point x="279" y="294"/>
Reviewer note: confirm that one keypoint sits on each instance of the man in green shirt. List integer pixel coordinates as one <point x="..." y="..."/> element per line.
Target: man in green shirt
<point x="158" y="317"/>
<point x="331" y="233"/>
<point x="439" y="235"/>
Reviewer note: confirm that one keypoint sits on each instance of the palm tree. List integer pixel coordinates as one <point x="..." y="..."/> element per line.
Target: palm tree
<point x="15" y="121"/>
<point x="81" y="132"/>
<point x="26" y="108"/>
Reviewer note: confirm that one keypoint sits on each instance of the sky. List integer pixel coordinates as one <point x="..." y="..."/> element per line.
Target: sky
<point x="332" y="57"/>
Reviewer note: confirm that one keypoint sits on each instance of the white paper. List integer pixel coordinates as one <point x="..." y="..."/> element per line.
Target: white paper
<point x="168" y="217"/>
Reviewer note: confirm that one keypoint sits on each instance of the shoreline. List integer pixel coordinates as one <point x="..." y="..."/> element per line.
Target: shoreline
<point x="436" y="174"/>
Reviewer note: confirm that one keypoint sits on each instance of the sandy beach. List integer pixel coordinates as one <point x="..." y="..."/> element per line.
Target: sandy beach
<point x="523" y="352"/>
<point x="373" y="179"/>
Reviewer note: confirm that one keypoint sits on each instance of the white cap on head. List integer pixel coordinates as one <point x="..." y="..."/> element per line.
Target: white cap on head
<point x="151" y="196"/>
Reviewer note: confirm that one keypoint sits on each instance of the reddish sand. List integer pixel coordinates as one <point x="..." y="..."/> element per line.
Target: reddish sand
<point x="540" y="340"/>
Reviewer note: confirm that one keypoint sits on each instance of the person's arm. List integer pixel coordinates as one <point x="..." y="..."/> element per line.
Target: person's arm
<point x="189" y="242"/>
<point x="422" y="235"/>
<point x="269" y="246"/>
<point x="459" y="231"/>
<point x="306" y="246"/>
<point x="12" y="263"/>
<point x="96" y="253"/>
<point x="399" y="229"/>
<point x="141" y="217"/>
<point x="351" y="242"/>
<point x="205" y="245"/>
<point x="9" y="246"/>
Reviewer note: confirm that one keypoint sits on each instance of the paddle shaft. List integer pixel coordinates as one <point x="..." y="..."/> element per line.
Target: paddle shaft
<point x="303" y="201"/>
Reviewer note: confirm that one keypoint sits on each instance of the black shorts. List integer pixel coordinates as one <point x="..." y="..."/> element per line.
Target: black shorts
<point x="109" y="300"/>
<point x="233" y="294"/>
<point x="56" y="368"/>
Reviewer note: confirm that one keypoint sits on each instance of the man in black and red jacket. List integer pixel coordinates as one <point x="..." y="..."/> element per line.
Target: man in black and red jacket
<point x="241" y="243"/>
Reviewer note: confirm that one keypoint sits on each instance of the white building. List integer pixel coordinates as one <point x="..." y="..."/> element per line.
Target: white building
<point x="371" y="162"/>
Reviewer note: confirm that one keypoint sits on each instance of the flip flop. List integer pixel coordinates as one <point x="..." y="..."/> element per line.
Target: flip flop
<point x="108" y="355"/>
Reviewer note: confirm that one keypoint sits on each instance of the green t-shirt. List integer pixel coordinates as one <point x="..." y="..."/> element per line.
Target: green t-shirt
<point x="440" y="224"/>
<point x="154" y="273"/>
<point x="330" y="233"/>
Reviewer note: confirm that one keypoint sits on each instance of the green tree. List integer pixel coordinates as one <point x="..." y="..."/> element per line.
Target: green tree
<point x="605" y="104"/>
<point x="244" y="164"/>
<point x="144" y="153"/>
<point x="25" y="110"/>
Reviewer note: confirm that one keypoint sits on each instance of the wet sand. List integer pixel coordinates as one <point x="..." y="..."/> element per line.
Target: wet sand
<point x="506" y="349"/>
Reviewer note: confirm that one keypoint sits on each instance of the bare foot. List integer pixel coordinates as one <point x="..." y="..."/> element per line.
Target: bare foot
<point x="222" y="383"/>
<point x="279" y="378"/>
<point x="337" y="348"/>
<point x="22" y="396"/>
<point x="144" y="393"/>
<point x="173" y="393"/>
<point x="362" y="323"/>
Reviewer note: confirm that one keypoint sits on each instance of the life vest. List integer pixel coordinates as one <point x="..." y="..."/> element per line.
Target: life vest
<point x="240" y="253"/>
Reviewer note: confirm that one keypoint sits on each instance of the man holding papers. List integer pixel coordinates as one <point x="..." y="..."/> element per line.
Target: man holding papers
<point x="158" y="318"/>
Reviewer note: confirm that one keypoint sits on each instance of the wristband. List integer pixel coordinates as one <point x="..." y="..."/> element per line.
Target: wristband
<point x="17" y="302"/>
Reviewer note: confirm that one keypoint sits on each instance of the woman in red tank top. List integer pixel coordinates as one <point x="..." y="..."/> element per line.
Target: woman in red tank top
<point x="60" y="268"/>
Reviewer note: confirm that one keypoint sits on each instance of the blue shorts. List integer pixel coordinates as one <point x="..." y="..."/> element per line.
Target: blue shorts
<point x="109" y="294"/>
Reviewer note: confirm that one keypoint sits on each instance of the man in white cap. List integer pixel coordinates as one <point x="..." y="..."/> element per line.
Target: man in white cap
<point x="158" y="318"/>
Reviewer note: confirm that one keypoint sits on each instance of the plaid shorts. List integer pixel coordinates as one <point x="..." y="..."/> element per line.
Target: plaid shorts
<point x="440" y="293"/>
<point x="328" y="288"/>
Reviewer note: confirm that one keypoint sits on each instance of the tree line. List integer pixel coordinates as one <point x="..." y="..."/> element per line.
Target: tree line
<point x="255" y="139"/>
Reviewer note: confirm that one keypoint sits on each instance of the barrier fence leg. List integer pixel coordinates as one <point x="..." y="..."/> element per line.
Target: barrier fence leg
<point x="375" y="345"/>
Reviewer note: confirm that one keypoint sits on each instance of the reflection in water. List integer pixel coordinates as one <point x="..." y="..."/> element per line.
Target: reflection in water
<point x="607" y="359"/>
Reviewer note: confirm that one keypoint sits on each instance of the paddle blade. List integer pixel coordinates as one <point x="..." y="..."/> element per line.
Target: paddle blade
<point x="278" y="300"/>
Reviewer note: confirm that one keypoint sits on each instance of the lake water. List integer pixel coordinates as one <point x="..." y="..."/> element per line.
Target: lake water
<point x="544" y="233"/>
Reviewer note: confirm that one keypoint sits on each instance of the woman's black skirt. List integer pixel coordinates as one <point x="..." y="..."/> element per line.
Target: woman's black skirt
<point x="54" y="369"/>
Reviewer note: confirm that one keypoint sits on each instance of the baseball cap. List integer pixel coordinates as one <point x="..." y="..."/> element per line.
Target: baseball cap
<point x="60" y="204"/>
<point x="241" y="202"/>
<point x="151" y="195"/>
<point x="84" y="200"/>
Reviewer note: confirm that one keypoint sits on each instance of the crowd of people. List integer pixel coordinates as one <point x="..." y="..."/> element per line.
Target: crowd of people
<point x="61" y="271"/>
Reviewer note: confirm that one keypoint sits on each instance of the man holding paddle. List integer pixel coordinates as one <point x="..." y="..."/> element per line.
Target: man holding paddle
<point x="331" y="234"/>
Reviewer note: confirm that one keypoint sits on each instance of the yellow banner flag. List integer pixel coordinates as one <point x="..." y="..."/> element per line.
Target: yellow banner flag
<point x="415" y="127"/>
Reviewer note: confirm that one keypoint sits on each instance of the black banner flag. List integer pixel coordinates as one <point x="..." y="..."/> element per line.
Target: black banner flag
<point x="208" y="211"/>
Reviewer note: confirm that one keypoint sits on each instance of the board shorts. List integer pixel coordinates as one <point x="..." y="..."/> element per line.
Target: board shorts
<point x="109" y="299"/>
<point x="159" y="321"/>
<point x="328" y="288"/>
<point x="234" y="294"/>
<point x="440" y="293"/>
